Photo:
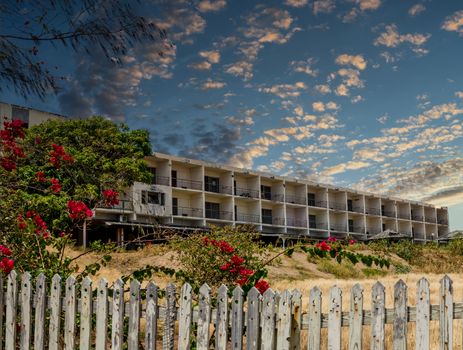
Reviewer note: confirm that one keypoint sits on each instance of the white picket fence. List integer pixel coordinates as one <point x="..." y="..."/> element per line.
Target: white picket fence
<point x="42" y="315"/>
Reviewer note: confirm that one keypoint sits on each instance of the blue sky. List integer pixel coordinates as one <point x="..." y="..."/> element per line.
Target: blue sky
<point x="361" y="93"/>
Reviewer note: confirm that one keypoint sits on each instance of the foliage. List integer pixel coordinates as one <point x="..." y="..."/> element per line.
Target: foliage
<point x="455" y="246"/>
<point x="28" y="26"/>
<point x="342" y="270"/>
<point x="51" y="177"/>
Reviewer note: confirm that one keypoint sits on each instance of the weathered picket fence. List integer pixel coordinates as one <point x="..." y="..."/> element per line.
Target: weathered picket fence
<point x="42" y="315"/>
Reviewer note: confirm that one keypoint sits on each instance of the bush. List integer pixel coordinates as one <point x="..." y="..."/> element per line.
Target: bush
<point x="342" y="270"/>
<point x="455" y="246"/>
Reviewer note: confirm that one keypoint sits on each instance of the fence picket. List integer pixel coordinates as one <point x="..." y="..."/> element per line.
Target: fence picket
<point x="185" y="317"/>
<point x="2" y="306"/>
<point x="422" y="315"/>
<point x="151" y="316"/>
<point x="70" y="316"/>
<point x="284" y="321"/>
<point x="221" y="326"/>
<point x="11" y="301"/>
<point x="356" y="317"/>
<point x="399" y="327"/>
<point x="117" y="322"/>
<point x="40" y="305"/>
<point x="253" y="320"/>
<point x="378" y="316"/>
<point x="268" y="321"/>
<point x="237" y="319"/>
<point x="296" y="320"/>
<point x="26" y="311"/>
<point x="204" y="318"/>
<point x="85" y="313"/>
<point x="101" y="315"/>
<point x="315" y="318"/>
<point x="134" y="315"/>
<point x="169" y="324"/>
<point x="55" y="313"/>
<point x="334" y="319"/>
<point x="446" y="314"/>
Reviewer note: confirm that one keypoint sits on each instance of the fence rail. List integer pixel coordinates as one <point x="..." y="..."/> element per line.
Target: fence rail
<point x="67" y="315"/>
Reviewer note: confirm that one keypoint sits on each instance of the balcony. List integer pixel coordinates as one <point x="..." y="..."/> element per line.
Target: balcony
<point x="295" y="199"/>
<point x="372" y="211"/>
<point x="442" y="221"/>
<point x="417" y="217"/>
<point x="356" y="210"/>
<point x="218" y="189"/>
<point x="246" y="192"/>
<point x="405" y="233"/>
<point x="403" y="216"/>
<point x="219" y="215"/>
<point x="296" y="222"/>
<point x="319" y="204"/>
<point x="185" y="183"/>
<point x="124" y="205"/>
<point x="269" y="220"/>
<point x="318" y="225"/>
<point x="161" y="180"/>
<point x="278" y="197"/>
<point x="338" y="228"/>
<point x="187" y="211"/>
<point x="247" y="218"/>
<point x="337" y="206"/>
<point x="388" y="213"/>
<point x="357" y="229"/>
<point x="430" y="219"/>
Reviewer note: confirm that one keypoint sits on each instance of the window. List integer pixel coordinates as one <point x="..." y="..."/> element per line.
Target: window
<point x="211" y="184"/>
<point x="18" y="113"/>
<point x="384" y="227"/>
<point x="266" y="192"/>
<point x="174" y="178"/>
<point x="148" y="197"/>
<point x="267" y="216"/>
<point x="174" y="206"/>
<point x="312" y="221"/>
<point x="153" y="174"/>
<point x="349" y="205"/>
<point x="351" y="225"/>
<point x="311" y="199"/>
<point x="212" y="210"/>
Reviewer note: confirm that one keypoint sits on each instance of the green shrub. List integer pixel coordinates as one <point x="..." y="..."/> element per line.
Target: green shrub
<point x="371" y="272"/>
<point x="455" y="246"/>
<point x="344" y="270"/>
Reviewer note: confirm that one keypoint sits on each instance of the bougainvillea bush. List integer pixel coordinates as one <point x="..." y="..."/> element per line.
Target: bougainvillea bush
<point x="51" y="177"/>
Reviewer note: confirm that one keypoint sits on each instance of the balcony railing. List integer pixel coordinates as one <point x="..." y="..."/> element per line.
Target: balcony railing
<point x="337" y="206"/>
<point x="270" y="220"/>
<point x="219" y="215"/>
<point x="403" y="216"/>
<point x="278" y="197"/>
<point x="246" y="192"/>
<point x="389" y="213"/>
<point x="296" y="222"/>
<point x="417" y="217"/>
<point x="405" y="233"/>
<point x="185" y="183"/>
<point x="124" y="205"/>
<point x="187" y="211"/>
<point x="247" y="218"/>
<point x="218" y="189"/>
<point x="319" y="204"/>
<point x="357" y="229"/>
<point x="356" y="209"/>
<point x="161" y="180"/>
<point x="372" y="211"/>
<point x="373" y="231"/>
<point x="339" y="228"/>
<point x="295" y="199"/>
<point x="430" y="219"/>
<point x="442" y="221"/>
<point x="318" y="225"/>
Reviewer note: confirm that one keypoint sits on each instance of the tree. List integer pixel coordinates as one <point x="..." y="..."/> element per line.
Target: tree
<point x="53" y="174"/>
<point x="27" y="25"/>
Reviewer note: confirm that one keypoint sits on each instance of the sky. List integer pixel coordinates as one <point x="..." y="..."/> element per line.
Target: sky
<point x="365" y="94"/>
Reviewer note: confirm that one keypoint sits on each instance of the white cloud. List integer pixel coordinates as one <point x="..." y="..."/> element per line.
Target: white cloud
<point x="305" y="67"/>
<point x="459" y="94"/>
<point x="355" y="60"/>
<point x="204" y="65"/>
<point x="323" y="6"/>
<point x="357" y="99"/>
<point x="212" y="85"/>
<point x="240" y="69"/>
<point x="318" y="106"/>
<point x="239" y="122"/>
<point x="417" y="9"/>
<point x="342" y="90"/>
<point x="392" y="38"/>
<point x="296" y="3"/>
<point x="369" y="4"/>
<point x="454" y="23"/>
<point x="323" y="89"/>
<point x="383" y="119"/>
<point x="208" y="6"/>
<point x="211" y="56"/>
<point x="343" y="167"/>
<point x="285" y="90"/>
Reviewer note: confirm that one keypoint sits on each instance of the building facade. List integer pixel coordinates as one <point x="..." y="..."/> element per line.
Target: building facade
<point x="187" y="193"/>
<point x="29" y="116"/>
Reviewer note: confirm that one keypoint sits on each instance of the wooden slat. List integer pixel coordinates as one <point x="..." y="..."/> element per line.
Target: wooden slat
<point x="10" y="321"/>
<point x="422" y="315"/>
<point x="101" y="315"/>
<point x="221" y="325"/>
<point x="169" y="322"/>
<point x="70" y="315"/>
<point x="334" y="319"/>
<point x="296" y="319"/>
<point x="204" y="318"/>
<point x="26" y="311"/>
<point x="117" y="322"/>
<point x="40" y="305"/>
<point x="134" y="316"/>
<point x="399" y="327"/>
<point x="151" y="316"/>
<point x="253" y="320"/>
<point x="378" y="303"/>
<point x="237" y="319"/>
<point x="268" y="321"/>
<point x="2" y="308"/>
<point x="284" y="321"/>
<point x="446" y="314"/>
<point x="185" y="317"/>
<point x="356" y="316"/>
<point x="315" y="318"/>
<point x="85" y="313"/>
<point x="55" y="313"/>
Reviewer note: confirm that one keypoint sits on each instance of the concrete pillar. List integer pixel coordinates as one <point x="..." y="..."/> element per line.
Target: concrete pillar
<point x="120" y="236"/>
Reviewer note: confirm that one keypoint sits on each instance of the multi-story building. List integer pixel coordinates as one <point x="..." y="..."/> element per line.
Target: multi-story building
<point x="191" y="194"/>
<point x="28" y="116"/>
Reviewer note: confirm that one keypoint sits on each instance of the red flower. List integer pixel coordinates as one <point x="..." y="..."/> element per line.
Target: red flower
<point x="225" y="247"/>
<point x="242" y="281"/>
<point x="40" y="175"/>
<point x="323" y="246"/>
<point x="7" y="265"/>
<point x="245" y="272"/>
<point x="78" y="210"/>
<point x="59" y="154"/>
<point x="352" y="241"/>
<point x="110" y="197"/>
<point x="55" y="185"/>
<point x="332" y="239"/>
<point x="225" y="267"/>
<point x="262" y="286"/>
<point x="5" y="250"/>
<point x="237" y="260"/>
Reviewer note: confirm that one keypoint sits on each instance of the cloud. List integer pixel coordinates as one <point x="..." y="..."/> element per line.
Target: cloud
<point x="323" y="6"/>
<point x="240" y="122"/>
<point x="296" y="3"/>
<point x="201" y="65"/>
<point x="285" y="90"/>
<point x="211" y="56"/>
<point x="416" y="10"/>
<point x="321" y="107"/>
<point x="351" y="77"/>
<point x="323" y="89"/>
<point x="454" y="23"/>
<point x="305" y="67"/>
<point x="355" y="60"/>
<point x="383" y="119"/>
<point x="392" y="38"/>
<point x="365" y="5"/>
<point x="459" y="94"/>
<point x="356" y="99"/>
<point x="343" y="167"/>
<point x="212" y="85"/>
<point x="240" y="69"/>
<point x="342" y="90"/>
<point x="208" y="6"/>
<point x="181" y="23"/>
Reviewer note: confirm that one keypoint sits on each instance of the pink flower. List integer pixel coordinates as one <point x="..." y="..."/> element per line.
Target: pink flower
<point x="352" y="242"/>
<point x="332" y="239"/>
